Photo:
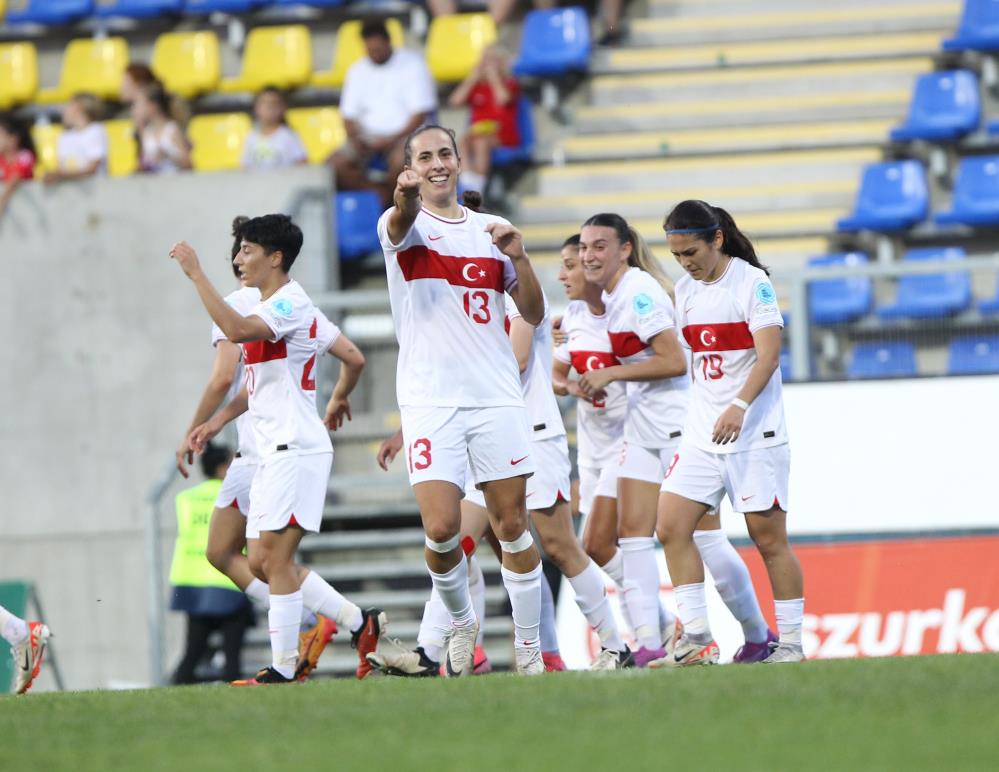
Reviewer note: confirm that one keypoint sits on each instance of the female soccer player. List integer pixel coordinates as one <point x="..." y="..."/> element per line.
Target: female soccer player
<point x="458" y="384"/>
<point x="27" y="644"/>
<point x="280" y="337"/>
<point x="735" y="441"/>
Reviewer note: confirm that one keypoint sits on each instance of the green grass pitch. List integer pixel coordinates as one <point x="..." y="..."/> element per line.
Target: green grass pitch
<point x="934" y="713"/>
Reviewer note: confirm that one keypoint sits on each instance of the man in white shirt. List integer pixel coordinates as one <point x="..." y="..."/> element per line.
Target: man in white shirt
<point x="386" y="95"/>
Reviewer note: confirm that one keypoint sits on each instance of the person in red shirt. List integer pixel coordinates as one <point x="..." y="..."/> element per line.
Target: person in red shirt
<point x="17" y="158"/>
<point x="492" y="95"/>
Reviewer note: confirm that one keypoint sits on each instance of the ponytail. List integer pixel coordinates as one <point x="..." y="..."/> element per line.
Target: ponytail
<point x="703" y="220"/>
<point x="237" y="235"/>
<point x="641" y="256"/>
<point x="472" y="199"/>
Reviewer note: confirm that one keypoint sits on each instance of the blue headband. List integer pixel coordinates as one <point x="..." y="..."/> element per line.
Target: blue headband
<point x="693" y="230"/>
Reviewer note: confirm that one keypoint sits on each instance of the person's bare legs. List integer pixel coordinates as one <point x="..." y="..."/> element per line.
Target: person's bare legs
<point x="768" y="531"/>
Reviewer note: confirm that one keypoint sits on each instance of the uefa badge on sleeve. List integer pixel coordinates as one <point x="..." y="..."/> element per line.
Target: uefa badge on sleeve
<point x="282" y="307"/>
<point x="765" y="294"/>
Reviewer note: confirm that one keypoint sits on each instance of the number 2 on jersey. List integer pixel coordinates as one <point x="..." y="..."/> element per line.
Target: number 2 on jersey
<point x="421" y="449"/>
<point x="308" y="381"/>
<point x="711" y="366"/>
<point x="479" y="312"/>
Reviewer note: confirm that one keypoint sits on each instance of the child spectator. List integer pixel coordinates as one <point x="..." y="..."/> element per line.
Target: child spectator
<point x="17" y="158"/>
<point x="162" y="144"/>
<point x="136" y="76"/>
<point x="272" y="143"/>
<point x="492" y="95"/>
<point x="82" y="150"/>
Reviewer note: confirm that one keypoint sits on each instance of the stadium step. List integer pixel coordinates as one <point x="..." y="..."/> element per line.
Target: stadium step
<point x="796" y="51"/>
<point x="381" y="538"/>
<point x="689" y="9"/>
<point x="384" y="570"/>
<point x="701" y="141"/>
<point x="758" y="22"/>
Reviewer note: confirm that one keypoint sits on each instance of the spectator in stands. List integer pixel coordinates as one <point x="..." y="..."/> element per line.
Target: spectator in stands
<point x="17" y="158"/>
<point x="272" y="144"/>
<point x="82" y="150"/>
<point x="386" y="95"/>
<point x="136" y="76"/>
<point x="491" y="94"/>
<point x="501" y="10"/>
<point x="162" y="144"/>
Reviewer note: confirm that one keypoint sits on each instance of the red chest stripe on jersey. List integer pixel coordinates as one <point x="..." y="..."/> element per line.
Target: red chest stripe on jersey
<point x="264" y="351"/>
<point x="625" y="344"/>
<point x="592" y="360"/>
<point x="724" y="336"/>
<point x="419" y="262"/>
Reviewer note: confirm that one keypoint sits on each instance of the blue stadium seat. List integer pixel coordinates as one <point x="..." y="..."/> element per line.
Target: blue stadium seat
<point x="785" y="365"/>
<point x="51" y="12"/>
<point x="357" y="214"/>
<point x="893" y="196"/>
<point x="976" y="193"/>
<point x="555" y="42"/>
<point x="140" y="9"/>
<point x="883" y="360"/>
<point x="931" y="295"/>
<point x="836" y="301"/>
<point x="990" y="305"/>
<point x="945" y="106"/>
<point x="973" y="354"/>
<point x="223" y="6"/>
<point x="522" y="153"/>
<point x="314" y="3"/>
<point x="978" y="29"/>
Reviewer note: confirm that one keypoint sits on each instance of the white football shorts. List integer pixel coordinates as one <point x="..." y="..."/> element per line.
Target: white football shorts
<point x="288" y="489"/>
<point x="646" y="464"/>
<point x="595" y="481"/>
<point x="235" y="490"/>
<point x="550" y="482"/>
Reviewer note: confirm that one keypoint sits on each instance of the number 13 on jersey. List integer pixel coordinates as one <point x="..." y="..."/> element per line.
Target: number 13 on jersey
<point x="477" y="307"/>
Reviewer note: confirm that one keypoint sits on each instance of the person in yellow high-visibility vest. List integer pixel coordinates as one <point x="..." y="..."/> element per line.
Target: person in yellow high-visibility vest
<point x="210" y="599"/>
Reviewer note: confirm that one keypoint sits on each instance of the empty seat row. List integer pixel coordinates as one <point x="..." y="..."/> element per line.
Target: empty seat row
<point x="966" y="355"/>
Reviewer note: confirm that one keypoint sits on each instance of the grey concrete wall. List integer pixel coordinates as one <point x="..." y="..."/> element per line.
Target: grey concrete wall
<point x="106" y="350"/>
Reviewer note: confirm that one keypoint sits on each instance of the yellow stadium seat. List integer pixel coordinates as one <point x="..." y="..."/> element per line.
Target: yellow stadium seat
<point x="92" y="66"/>
<point x="455" y="44"/>
<point x="18" y="73"/>
<point x="274" y="56"/>
<point x="321" y="130"/>
<point x="123" y="148"/>
<point x="46" y="139"/>
<point x="217" y="140"/>
<point x="187" y="62"/>
<point x="349" y="47"/>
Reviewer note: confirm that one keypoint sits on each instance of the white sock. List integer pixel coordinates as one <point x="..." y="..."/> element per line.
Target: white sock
<point x="525" y="599"/>
<point x="614" y="568"/>
<point x="283" y="620"/>
<point x="453" y="590"/>
<point x="321" y="598"/>
<point x="12" y="628"/>
<point x="477" y="589"/>
<point x="434" y="627"/>
<point x="692" y="606"/>
<point x="260" y="594"/>
<point x="591" y="597"/>
<point x="549" y="633"/>
<point x="732" y="582"/>
<point x="790" y="614"/>
<point x="641" y="588"/>
<point x="472" y="180"/>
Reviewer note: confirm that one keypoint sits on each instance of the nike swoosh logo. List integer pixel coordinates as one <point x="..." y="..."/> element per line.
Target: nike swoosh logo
<point x="514" y="463"/>
<point x="435" y="238"/>
<point x="747" y="498"/>
<point x="26" y="665"/>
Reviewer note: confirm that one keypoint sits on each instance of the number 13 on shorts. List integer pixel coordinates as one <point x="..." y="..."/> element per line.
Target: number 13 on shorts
<point x="419" y="455"/>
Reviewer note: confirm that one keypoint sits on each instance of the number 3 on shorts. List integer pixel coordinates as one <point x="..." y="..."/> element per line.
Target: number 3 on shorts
<point x="669" y="469"/>
<point x="421" y="449"/>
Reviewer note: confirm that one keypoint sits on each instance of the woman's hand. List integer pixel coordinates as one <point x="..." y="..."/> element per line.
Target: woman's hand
<point x="728" y="427"/>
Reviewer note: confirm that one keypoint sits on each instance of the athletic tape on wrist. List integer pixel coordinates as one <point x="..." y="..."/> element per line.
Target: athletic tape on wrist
<point x="519" y="544"/>
<point x="443" y="546"/>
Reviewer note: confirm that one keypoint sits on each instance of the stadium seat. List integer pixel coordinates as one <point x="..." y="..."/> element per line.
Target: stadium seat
<point x="976" y="193"/>
<point x="123" y="148"/>
<point x="973" y="354"/>
<point x="945" y="106"/>
<point x="274" y="56"/>
<point x="785" y="366"/>
<point x="187" y="62"/>
<point x="320" y="128"/>
<point x="349" y="47"/>
<point x="46" y="139"/>
<point x="978" y="29"/>
<point x="221" y="6"/>
<point x="930" y="295"/>
<point x="554" y="42"/>
<point x="883" y="360"/>
<point x="313" y="3"/>
<point x="217" y="141"/>
<point x="18" y="74"/>
<point x="139" y="9"/>
<point x="837" y="301"/>
<point x="90" y="65"/>
<point x="455" y="44"/>
<point x="524" y="152"/>
<point x="357" y="214"/>
<point x="50" y="12"/>
<point x="990" y="305"/>
<point x="893" y="196"/>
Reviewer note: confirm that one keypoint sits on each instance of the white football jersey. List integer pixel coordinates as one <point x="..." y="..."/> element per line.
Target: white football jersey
<point x="600" y="424"/>
<point x="446" y="285"/>
<point x="281" y="378"/>
<point x="242" y="301"/>
<point x="637" y="310"/>
<point x="536" y="380"/>
<point x="718" y="320"/>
